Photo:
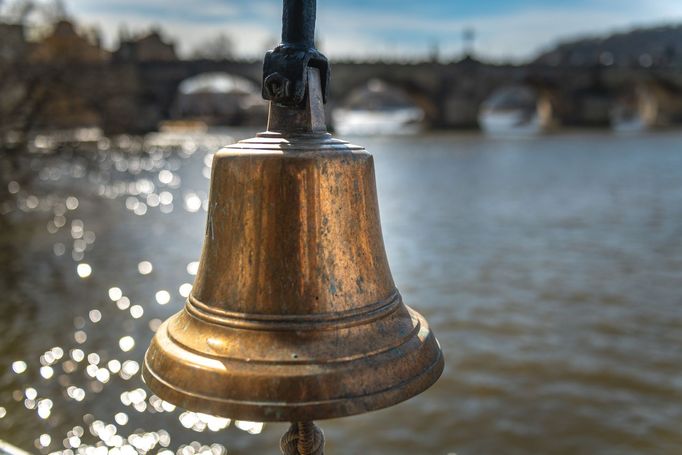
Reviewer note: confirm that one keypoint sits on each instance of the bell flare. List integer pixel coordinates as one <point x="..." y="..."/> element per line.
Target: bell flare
<point x="273" y="375"/>
<point x="294" y="315"/>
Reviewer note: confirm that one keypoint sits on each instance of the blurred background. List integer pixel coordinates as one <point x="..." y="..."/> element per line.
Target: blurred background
<point x="528" y="159"/>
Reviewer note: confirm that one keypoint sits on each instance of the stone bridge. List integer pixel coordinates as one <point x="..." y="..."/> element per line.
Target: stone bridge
<point x="450" y="94"/>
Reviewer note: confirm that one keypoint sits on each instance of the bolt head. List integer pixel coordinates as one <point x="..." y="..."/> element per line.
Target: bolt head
<point x="277" y="87"/>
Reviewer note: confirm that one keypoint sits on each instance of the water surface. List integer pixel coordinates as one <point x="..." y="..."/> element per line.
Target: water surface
<point x="550" y="269"/>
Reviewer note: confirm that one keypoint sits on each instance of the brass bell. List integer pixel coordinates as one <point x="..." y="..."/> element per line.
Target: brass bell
<point x="294" y="315"/>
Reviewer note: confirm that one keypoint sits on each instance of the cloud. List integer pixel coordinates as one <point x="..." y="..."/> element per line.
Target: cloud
<point x="363" y="29"/>
<point x="160" y="8"/>
<point x="517" y="35"/>
<point x="250" y="37"/>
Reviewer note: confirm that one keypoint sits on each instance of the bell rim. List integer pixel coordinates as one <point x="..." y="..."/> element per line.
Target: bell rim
<point x="167" y="363"/>
<point x="297" y="411"/>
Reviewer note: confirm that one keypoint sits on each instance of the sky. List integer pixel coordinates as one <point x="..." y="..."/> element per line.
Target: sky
<point x="504" y="29"/>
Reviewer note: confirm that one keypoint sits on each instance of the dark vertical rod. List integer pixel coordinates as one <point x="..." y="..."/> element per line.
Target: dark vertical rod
<point x="298" y="22"/>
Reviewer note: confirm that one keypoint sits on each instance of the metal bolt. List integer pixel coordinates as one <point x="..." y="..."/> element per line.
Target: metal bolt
<point x="277" y="86"/>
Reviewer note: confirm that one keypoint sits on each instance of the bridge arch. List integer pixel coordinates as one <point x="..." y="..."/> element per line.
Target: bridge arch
<point x="449" y="93"/>
<point x="159" y="82"/>
<point x="390" y="107"/>
<point x="219" y="98"/>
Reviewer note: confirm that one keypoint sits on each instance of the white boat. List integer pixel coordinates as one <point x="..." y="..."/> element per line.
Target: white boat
<point x="625" y="121"/>
<point x="398" y="121"/>
<point x="637" y="113"/>
<point x="518" y="121"/>
<point x="378" y="109"/>
<point x="515" y="110"/>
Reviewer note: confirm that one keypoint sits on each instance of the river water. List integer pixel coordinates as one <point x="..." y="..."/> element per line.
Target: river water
<point x="550" y="268"/>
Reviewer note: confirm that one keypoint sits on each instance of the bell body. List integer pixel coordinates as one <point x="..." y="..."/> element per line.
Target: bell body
<point x="294" y="315"/>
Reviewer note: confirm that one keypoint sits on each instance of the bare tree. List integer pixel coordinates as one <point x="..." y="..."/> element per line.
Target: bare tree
<point x="26" y="86"/>
<point x="16" y="12"/>
<point x="13" y="55"/>
<point x="54" y="11"/>
<point x="220" y="47"/>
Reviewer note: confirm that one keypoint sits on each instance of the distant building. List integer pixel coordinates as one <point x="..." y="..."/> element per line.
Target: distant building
<point x="12" y="41"/>
<point x="147" y="48"/>
<point x="65" y="43"/>
<point x="651" y="47"/>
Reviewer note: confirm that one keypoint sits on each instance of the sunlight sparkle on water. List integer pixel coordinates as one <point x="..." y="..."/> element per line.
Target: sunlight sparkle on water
<point x="145" y="267"/>
<point x="45" y="440"/>
<point x="154" y="324"/>
<point x="193" y="267"/>
<point x="93" y="358"/>
<point x="115" y="294"/>
<point x="123" y="303"/>
<point x="77" y="229"/>
<point x="95" y="316"/>
<point x="185" y="289"/>
<point x="103" y="375"/>
<point x="121" y="418"/>
<point x="129" y="369"/>
<point x="114" y="366"/>
<point x="165" y="176"/>
<point x="47" y="358"/>
<point x="165" y="198"/>
<point x="32" y="202"/>
<point x="200" y="422"/>
<point x="140" y="209"/>
<point x="74" y="441"/>
<point x="126" y="343"/>
<point x="44" y="408"/>
<point x="77" y="355"/>
<point x="153" y="200"/>
<point x="84" y="270"/>
<point x="80" y="336"/>
<point x="71" y="203"/>
<point x="163" y="297"/>
<point x="136" y="311"/>
<point x="250" y="427"/>
<point x="59" y="249"/>
<point x="19" y="366"/>
<point x="46" y="372"/>
<point x="192" y="202"/>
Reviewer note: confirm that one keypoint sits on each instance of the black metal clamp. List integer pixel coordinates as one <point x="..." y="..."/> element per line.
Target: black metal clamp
<point x="285" y="75"/>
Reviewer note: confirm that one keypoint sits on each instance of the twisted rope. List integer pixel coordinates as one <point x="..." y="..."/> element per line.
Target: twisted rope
<point x="302" y="438"/>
